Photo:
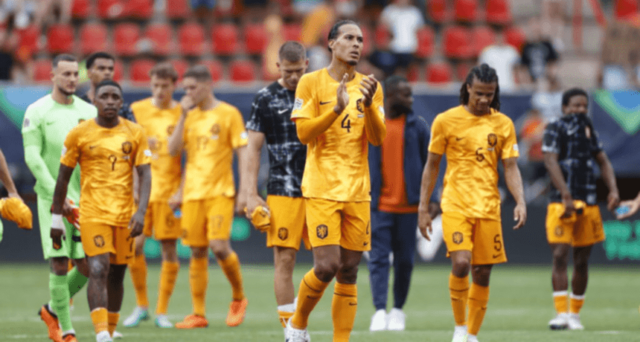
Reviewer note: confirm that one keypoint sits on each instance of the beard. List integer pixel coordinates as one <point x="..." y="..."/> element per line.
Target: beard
<point x="66" y="92"/>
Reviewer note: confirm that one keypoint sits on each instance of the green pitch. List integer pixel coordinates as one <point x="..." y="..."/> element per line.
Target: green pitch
<point x="519" y="308"/>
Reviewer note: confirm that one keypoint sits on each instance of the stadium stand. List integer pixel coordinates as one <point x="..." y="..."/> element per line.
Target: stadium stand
<point x="93" y="38"/>
<point x="242" y="71"/>
<point x="125" y="38"/>
<point x="498" y="12"/>
<point x="161" y="37"/>
<point x="255" y="39"/>
<point x="439" y="73"/>
<point x="625" y="8"/>
<point x="139" y="70"/>
<point x="224" y="39"/>
<point x="438" y="11"/>
<point x="466" y="10"/>
<point x="60" y="39"/>
<point x="191" y="38"/>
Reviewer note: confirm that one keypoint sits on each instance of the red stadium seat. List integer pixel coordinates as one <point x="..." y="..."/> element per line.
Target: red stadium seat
<point x="225" y="39"/>
<point x="161" y="36"/>
<point x="292" y="32"/>
<point x="462" y="70"/>
<point x="426" y="41"/>
<point x="42" y="70"/>
<point x="242" y="71"/>
<point x="181" y="66"/>
<point x="255" y="39"/>
<point x="139" y="9"/>
<point x="178" y="9"/>
<point x="125" y="37"/>
<point x="625" y="8"/>
<point x="81" y="9"/>
<point x="413" y="74"/>
<point x="515" y="37"/>
<point x="482" y="36"/>
<point x="139" y="70"/>
<point x="60" y="39"/>
<point x="457" y="42"/>
<point x="466" y="10"/>
<point x="191" y="38"/>
<point x="498" y="12"/>
<point x="382" y="36"/>
<point x="118" y="71"/>
<point x="93" y="38"/>
<point x="28" y="41"/>
<point x="215" y="68"/>
<point x="439" y="73"/>
<point x="111" y="9"/>
<point x="438" y="11"/>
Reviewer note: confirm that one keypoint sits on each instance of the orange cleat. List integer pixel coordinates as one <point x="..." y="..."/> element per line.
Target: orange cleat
<point x="51" y="320"/>
<point x="237" y="310"/>
<point x="193" y="321"/>
<point x="70" y="338"/>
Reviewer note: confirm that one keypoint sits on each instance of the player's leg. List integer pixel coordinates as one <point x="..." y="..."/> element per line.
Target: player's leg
<point x="284" y="260"/>
<point x="382" y="226"/>
<point x="138" y="272"/>
<point x="97" y="295"/>
<point x="115" y="293"/>
<point x="478" y="299"/>
<point x="168" y="276"/>
<point x="404" y="249"/>
<point x="578" y="285"/>
<point x="345" y="296"/>
<point x="560" y="236"/>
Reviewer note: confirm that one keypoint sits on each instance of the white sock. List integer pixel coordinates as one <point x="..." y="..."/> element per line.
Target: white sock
<point x="460" y="329"/>
<point x="472" y="338"/>
<point x="287" y="307"/>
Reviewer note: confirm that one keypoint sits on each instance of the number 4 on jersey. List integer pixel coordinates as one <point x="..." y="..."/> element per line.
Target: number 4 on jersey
<point x="346" y="123"/>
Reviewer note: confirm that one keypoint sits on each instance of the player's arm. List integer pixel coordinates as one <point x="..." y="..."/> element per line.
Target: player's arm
<point x="308" y="125"/>
<point x="32" y="137"/>
<point x="429" y="179"/>
<point x="176" y="140"/>
<point x="373" y="114"/>
<point x="513" y="179"/>
<point x="5" y="178"/>
<point x="633" y="205"/>
<point x="137" y="221"/>
<point x="256" y="141"/>
<point x="59" y="196"/>
<point x="613" y="199"/>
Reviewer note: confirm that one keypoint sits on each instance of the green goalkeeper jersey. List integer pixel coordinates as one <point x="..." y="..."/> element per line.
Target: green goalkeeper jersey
<point x="44" y="129"/>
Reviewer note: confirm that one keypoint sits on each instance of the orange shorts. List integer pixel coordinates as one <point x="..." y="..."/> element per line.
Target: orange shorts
<point x="206" y="220"/>
<point x="483" y="237"/>
<point x="347" y="224"/>
<point x="100" y="238"/>
<point x="161" y="221"/>
<point x="288" y="226"/>
<point x="579" y="230"/>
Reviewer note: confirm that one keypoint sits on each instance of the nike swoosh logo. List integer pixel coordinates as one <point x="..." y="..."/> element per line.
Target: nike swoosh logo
<point x="573" y="131"/>
<point x="326" y="102"/>
<point x="283" y="111"/>
<point x="496" y="255"/>
<point x="458" y="139"/>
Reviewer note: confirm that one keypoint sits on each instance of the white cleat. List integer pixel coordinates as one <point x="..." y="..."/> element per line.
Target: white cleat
<point x="396" y="320"/>
<point x="295" y="335"/>
<point x="560" y="322"/>
<point x="472" y="338"/>
<point x="138" y="315"/>
<point x="117" y="336"/>
<point x="574" y="322"/>
<point x="163" y="322"/>
<point x="379" y="321"/>
<point x="103" y="336"/>
<point x="460" y="334"/>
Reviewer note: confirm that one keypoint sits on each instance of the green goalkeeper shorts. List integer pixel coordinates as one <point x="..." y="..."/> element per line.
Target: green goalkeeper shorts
<point x="71" y="246"/>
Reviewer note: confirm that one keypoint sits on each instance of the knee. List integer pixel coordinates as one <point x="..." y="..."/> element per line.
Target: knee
<point x="99" y="270"/>
<point x="220" y="249"/>
<point x="82" y="266"/>
<point x="481" y="275"/>
<point x="59" y="266"/>
<point x="116" y="274"/>
<point x="326" y="269"/>
<point x="169" y="251"/>
<point x="348" y="274"/>
<point x="461" y="268"/>
<point x="199" y="252"/>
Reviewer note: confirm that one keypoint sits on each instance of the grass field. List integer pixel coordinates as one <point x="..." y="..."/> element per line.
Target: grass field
<point x="519" y="309"/>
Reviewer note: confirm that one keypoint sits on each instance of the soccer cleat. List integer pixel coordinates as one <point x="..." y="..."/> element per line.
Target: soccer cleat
<point x="163" y="322"/>
<point x="51" y="320"/>
<point x="379" y="321"/>
<point x="460" y="334"/>
<point x="138" y="315"/>
<point x="560" y="322"/>
<point x="193" y="321"/>
<point x="396" y="320"/>
<point x="70" y="338"/>
<point x="472" y="338"/>
<point x="103" y="336"/>
<point x="117" y="336"/>
<point x="237" y="310"/>
<point x="295" y="335"/>
<point x="574" y="322"/>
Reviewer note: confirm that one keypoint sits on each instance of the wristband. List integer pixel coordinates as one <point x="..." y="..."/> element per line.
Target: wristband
<point x="56" y="222"/>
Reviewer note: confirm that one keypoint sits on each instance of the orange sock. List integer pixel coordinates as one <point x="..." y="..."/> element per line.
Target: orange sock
<point x="100" y="319"/>
<point x="343" y="310"/>
<point x="575" y="303"/>
<point x="311" y="290"/>
<point x="231" y="268"/>
<point x="199" y="278"/>
<point x="168" y="275"/>
<point x="459" y="292"/>
<point x="138" y="270"/>
<point x="560" y="301"/>
<point x="478" y="299"/>
<point x="113" y="318"/>
<point x="284" y="317"/>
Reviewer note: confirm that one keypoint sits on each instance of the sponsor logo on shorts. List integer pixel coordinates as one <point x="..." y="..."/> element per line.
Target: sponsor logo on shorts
<point x="99" y="241"/>
<point x="558" y="231"/>
<point x="457" y="238"/>
<point x="322" y="231"/>
<point x="127" y="147"/>
<point x="283" y="233"/>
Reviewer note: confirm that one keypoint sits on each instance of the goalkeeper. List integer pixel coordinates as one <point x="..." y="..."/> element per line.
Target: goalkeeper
<point x="46" y="124"/>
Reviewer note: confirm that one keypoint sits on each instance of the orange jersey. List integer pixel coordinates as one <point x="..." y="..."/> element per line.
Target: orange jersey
<point x="209" y="139"/>
<point x="337" y="166"/>
<point x="158" y="125"/>
<point x="107" y="157"/>
<point x="474" y="145"/>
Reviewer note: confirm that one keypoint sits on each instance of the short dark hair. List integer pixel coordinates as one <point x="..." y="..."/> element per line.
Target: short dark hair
<point x="567" y="95"/>
<point x="91" y="59"/>
<point x="392" y="82"/>
<point x="164" y="70"/>
<point x="107" y="82"/>
<point x="292" y="51"/>
<point x="200" y="72"/>
<point x="485" y="74"/>
<point x="335" y="29"/>
<point x="63" y="57"/>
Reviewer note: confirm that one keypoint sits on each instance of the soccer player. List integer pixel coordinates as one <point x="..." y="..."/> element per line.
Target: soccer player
<point x="209" y="130"/>
<point x="396" y="170"/>
<point x="475" y="136"/>
<point x="337" y="112"/>
<point x="46" y="123"/>
<point x="100" y="67"/>
<point x="158" y="116"/>
<point x="571" y="146"/>
<point x="271" y="121"/>
<point x="109" y="150"/>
